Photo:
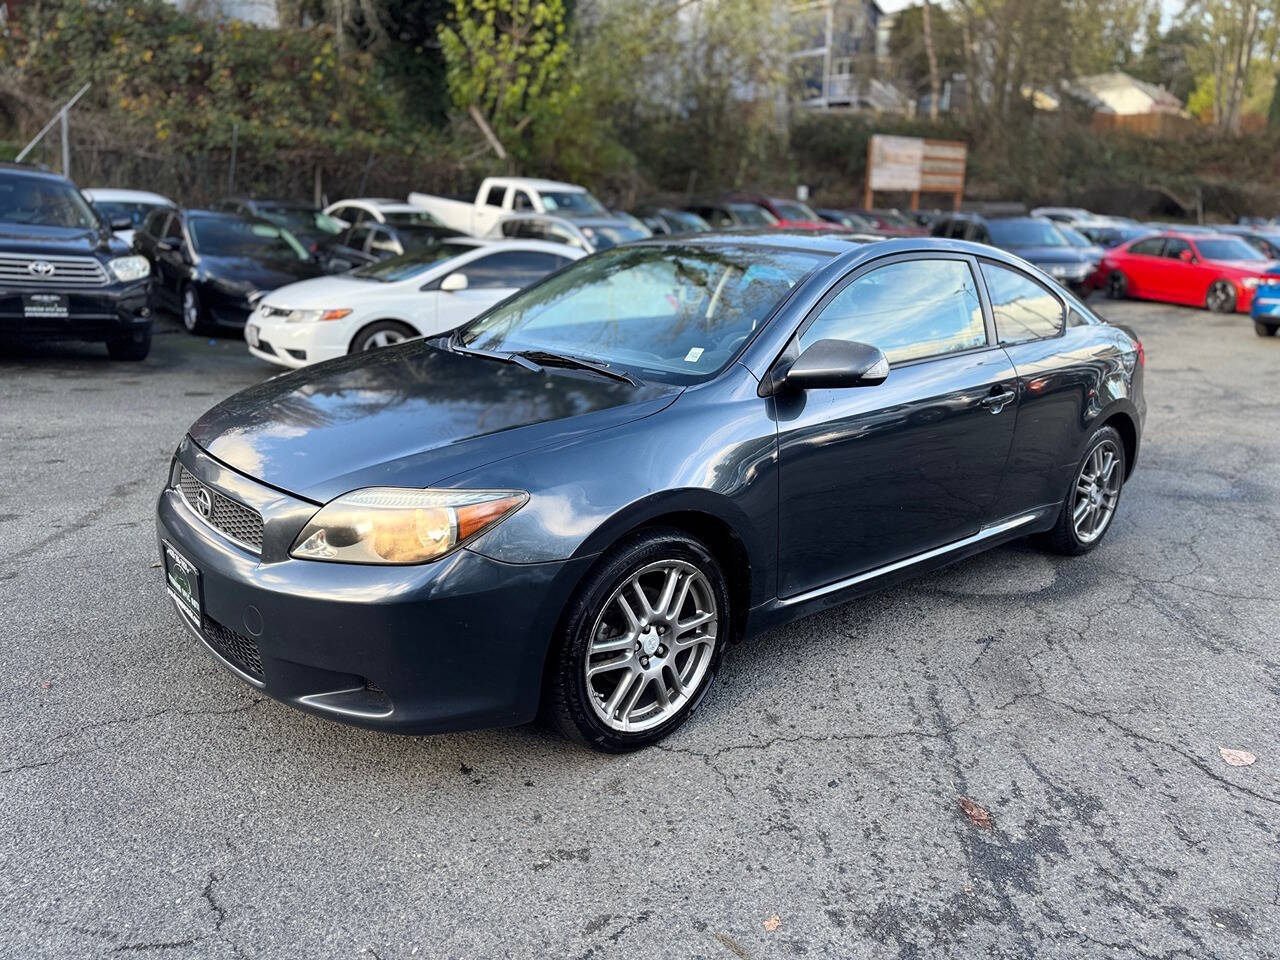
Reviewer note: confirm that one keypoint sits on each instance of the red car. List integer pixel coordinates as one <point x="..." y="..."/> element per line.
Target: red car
<point x="1213" y="270"/>
<point x="790" y="214"/>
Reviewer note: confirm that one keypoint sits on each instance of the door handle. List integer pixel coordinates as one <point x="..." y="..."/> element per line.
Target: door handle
<point x="995" y="402"/>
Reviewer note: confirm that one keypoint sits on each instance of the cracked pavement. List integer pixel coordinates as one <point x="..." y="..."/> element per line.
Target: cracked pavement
<point x="153" y="805"/>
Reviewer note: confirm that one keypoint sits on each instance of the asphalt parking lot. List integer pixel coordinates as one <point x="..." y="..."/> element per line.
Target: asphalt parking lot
<point x="153" y="805"/>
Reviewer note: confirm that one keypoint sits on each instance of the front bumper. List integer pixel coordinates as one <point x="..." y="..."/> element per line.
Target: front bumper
<point x="96" y="314"/>
<point x="455" y="644"/>
<point x="295" y="344"/>
<point x="1266" y="305"/>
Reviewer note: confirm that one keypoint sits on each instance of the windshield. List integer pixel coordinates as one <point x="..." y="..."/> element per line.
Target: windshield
<point x="794" y="210"/>
<point x="751" y="215"/>
<point x="686" y="221"/>
<point x="672" y="313"/>
<point x="256" y="239"/>
<point x="410" y="264"/>
<point x="44" y="203"/>
<point x="570" y="202"/>
<point x="602" y="238"/>
<point x="1228" y="248"/>
<point x="1025" y="233"/>
<point x="1074" y="237"/>
<point x="303" y="219"/>
<point x="134" y="212"/>
<point x="412" y="218"/>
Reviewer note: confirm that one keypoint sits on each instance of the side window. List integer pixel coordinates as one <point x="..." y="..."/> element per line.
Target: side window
<point x="381" y="241"/>
<point x="719" y="217"/>
<point x="173" y="230"/>
<point x="1149" y="247"/>
<point x="911" y="309"/>
<point x="558" y="234"/>
<point x="521" y="202"/>
<point x="357" y="236"/>
<point x="155" y="223"/>
<point x="1023" y="309"/>
<point x="515" y="268"/>
<point x="1174" y="248"/>
<point x="494" y="197"/>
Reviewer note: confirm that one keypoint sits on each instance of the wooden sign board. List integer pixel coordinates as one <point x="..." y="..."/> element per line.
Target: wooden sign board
<point x="914" y="165"/>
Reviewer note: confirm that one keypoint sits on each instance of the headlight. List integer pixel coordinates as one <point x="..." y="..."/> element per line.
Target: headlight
<point x="312" y="316"/>
<point x="126" y="269"/>
<point x="398" y="525"/>
<point x="1250" y="282"/>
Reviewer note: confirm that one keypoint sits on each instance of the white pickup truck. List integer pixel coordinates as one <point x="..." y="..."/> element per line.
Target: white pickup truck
<point x="499" y="197"/>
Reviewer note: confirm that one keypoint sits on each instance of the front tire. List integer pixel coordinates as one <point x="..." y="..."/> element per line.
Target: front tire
<point x="384" y="333"/>
<point x="641" y="642"/>
<point x="1091" y="502"/>
<point x="1221" y="297"/>
<point x="135" y="347"/>
<point x="191" y="310"/>
<point x="1264" y="329"/>
<point x="1117" y="285"/>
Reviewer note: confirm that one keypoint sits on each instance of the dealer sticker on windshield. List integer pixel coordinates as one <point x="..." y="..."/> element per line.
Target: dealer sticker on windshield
<point x="694" y="355"/>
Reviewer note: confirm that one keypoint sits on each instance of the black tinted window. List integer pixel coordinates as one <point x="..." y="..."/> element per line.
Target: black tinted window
<point x="1150" y="247"/>
<point x="174" y="230"/>
<point x="1174" y="248"/>
<point x="515" y="268"/>
<point x="1023" y="309"/>
<point x="155" y="222"/>
<point x="911" y="309"/>
<point x="494" y="197"/>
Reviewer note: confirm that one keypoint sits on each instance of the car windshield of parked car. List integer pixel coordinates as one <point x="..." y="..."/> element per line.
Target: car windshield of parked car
<point x="419" y="238"/>
<point x="1025" y="233"/>
<point x="44" y="203"/>
<point x="794" y="210"/>
<point x="672" y="313"/>
<point x="303" y="219"/>
<point x="134" y="212"/>
<point x="412" y="218"/>
<point x="570" y="203"/>
<point x="602" y="238"/>
<point x="411" y="263"/>
<point x="751" y="215"/>
<point x="1074" y="237"/>
<point x="257" y="240"/>
<point x="1228" y="248"/>
<point x="688" y="222"/>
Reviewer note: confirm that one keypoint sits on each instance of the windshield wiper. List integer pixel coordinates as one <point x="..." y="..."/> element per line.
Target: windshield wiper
<point x="520" y="361"/>
<point x="551" y="359"/>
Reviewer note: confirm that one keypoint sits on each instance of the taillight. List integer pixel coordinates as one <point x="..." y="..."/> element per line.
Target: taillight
<point x="1142" y="355"/>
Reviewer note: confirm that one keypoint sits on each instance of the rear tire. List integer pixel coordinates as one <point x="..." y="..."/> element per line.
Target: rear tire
<point x="640" y="642"/>
<point x="383" y="333"/>
<point x="1263" y="329"/>
<point x="135" y="347"/>
<point x="1222" y="297"/>
<point x="1094" y="495"/>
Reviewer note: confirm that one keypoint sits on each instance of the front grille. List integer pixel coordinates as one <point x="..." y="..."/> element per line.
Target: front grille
<point x="55" y="272"/>
<point x="235" y="520"/>
<point x="234" y="647"/>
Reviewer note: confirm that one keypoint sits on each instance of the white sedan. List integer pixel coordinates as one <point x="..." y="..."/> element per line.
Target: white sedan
<point x="422" y="293"/>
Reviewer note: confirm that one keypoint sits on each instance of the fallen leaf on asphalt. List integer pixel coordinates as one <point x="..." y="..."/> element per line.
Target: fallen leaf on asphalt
<point x="155" y="566"/>
<point x="1237" y="758"/>
<point x="772" y="923"/>
<point x="978" y="816"/>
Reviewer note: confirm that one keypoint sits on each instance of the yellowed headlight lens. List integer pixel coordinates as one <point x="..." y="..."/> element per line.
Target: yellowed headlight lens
<point x="393" y="525"/>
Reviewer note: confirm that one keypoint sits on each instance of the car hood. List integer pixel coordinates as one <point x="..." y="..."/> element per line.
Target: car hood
<point x="327" y="292"/>
<point x="410" y="415"/>
<point x="260" y="274"/>
<point x="58" y="241"/>
<point x="1050" y="254"/>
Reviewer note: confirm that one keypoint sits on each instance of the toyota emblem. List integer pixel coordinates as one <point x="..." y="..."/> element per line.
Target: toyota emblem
<point x="204" y="503"/>
<point x="40" y="268"/>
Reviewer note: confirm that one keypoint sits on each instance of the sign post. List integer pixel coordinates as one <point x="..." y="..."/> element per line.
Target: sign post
<point x="912" y="165"/>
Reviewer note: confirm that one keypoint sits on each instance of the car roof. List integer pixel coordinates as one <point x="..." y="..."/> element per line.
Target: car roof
<point x="534" y="183"/>
<point x="23" y="169"/>
<point x="112" y="193"/>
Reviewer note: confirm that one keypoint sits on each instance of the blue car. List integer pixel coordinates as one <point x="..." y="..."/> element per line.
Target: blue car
<point x="1265" y="311"/>
<point x="577" y="502"/>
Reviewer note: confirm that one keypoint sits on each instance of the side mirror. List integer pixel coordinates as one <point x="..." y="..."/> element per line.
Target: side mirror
<point x="454" y="282"/>
<point x="830" y="364"/>
<point x="1186" y="256"/>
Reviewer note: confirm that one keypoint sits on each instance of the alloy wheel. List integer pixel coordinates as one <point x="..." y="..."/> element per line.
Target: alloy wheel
<point x="190" y="310"/>
<point x="383" y="338"/>
<point x="651" y="646"/>
<point x="1116" y="286"/>
<point x="1097" y="491"/>
<point x="1221" y="297"/>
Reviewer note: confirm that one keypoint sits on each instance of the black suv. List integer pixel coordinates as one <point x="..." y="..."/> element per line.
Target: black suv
<point x="63" y="274"/>
<point x="1035" y="239"/>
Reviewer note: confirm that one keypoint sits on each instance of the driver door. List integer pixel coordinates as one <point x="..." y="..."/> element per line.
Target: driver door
<point x="872" y="475"/>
